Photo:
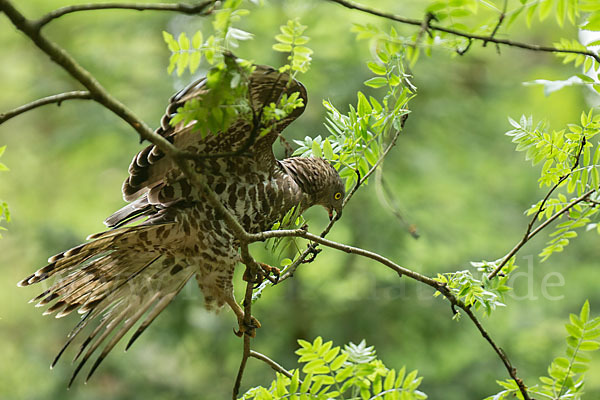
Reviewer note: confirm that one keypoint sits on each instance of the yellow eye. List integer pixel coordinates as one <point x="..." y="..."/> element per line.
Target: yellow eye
<point x="337" y="196"/>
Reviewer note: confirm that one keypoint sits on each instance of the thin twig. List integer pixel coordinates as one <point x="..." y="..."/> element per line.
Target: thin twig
<point x="57" y="98"/>
<point x="271" y="363"/>
<point x="500" y="20"/>
<point x="190" y="9"/>
<point x="416" y="22"/>
<point x="251" y="275"/>
<point x="387" y="199"/>
<point x="528" y="233"/>
<point x="528" y="237"/>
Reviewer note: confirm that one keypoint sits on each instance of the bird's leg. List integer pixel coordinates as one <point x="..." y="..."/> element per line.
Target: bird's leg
<point x="269" y="270"/>
<point x="244" y="328"/>
<point x="266" y="272"/>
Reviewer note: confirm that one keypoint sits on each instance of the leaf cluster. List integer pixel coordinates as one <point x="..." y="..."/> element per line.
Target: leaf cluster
<point x="357" y="138"/>
<point x="291" y="40"/>
<point x="332" y="373"/>
<point x="188" y="53"/>
<point x="224" y="101"/>
<point x="571" y="160"/>
<point x="565" y="378"/>
<point x="479" y="293"/>
<point x="273" y="113"/>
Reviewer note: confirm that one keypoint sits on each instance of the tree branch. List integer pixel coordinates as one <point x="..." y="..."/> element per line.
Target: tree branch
<point x="190" y="9"/>
<point x="528" y="234"/>
<point x="271" y="363"/>
<point x="500" y="20"/>
<point x="406" y="272"/>
<point x="57" y="98"/>
<point x="470" y="36"/>
<point x="68" y="63"/>
<point x="240" y="374"/>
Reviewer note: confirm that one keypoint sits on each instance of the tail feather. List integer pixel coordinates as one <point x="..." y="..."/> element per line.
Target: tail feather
<point x="114" y="280"/>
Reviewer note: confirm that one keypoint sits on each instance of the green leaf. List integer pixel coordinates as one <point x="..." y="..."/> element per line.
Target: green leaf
<point x="195" y="59"/>
<point x="585" y="312"/>
<point x="316" y="150"/>
<point x="184" y="42"/>
<point x="327" y="150"/>
<point x="363" y="107"/>
<point x="376" y="82"/>
<point x="285" y="38"/>
<point x="377" y="69"/>
<point x="589" y="345"/>
<point x="171" y="42"/>
<point x="284" y="48"/>
<point x="197" y="40"/>
<point x="338" y="362"/>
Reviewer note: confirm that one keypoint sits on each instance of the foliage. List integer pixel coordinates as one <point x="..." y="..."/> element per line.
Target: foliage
<point x="332" y="373"/>
<point x="186" y="53"/>
<point x="565" y="378"/>
<point x="357" y="139"/>
<point x="571" y="160"/>
<point x="291" y="41"/>
<point x="227" y="100"/>
<point x="478" y="293"/>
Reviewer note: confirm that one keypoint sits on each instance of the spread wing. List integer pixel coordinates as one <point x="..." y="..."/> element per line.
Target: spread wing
<point x="150" y="170"/>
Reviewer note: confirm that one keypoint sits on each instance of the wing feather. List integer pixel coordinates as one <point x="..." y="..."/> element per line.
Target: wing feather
<point x="150" y="170"/>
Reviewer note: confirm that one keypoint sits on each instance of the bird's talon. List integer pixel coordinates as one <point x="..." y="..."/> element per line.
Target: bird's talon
<point x="247" y="329"/>
<point x="268" y="271"/>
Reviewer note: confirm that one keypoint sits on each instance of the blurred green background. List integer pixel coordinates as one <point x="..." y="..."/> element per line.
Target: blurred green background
<point x="453" y="172"/>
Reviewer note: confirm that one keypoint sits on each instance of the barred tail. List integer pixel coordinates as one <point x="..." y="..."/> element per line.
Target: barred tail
<point x="115" y="280"/>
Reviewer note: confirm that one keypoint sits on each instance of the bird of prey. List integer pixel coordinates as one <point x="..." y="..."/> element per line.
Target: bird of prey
<point x="131" y="272"/>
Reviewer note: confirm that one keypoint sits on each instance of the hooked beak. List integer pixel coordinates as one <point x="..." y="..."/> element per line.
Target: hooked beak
<point x="338" y="214"/>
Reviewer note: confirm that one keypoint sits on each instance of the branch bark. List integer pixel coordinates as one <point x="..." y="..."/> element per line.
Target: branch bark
<point x="57" y="98"/>
<point x="470" y="36"/>
<point x="190" y="9"/>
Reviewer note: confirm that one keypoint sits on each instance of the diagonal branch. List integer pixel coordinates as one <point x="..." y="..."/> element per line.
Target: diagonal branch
<point x="528" y="233"/>
<point x="537" y="230"/>
<point x="191" y="9"/>
<point x="442" y="288"/>
<point x="57" y="98"/>
<point x="68" y="63"/>
<point x="470" y="36"/>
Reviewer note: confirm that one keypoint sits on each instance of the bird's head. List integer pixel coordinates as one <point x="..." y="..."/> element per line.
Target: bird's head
<point x="332" y="196"/>
<point x="319" y="180"/>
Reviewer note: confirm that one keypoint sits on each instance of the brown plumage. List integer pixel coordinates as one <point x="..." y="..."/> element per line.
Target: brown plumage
<point x="131" y="273"/>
